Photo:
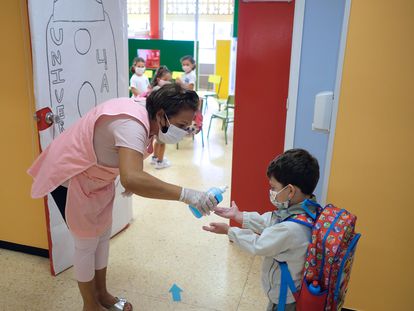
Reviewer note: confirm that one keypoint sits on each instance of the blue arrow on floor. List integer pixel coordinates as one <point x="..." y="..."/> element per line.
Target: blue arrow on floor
<point x="176" y="292"/>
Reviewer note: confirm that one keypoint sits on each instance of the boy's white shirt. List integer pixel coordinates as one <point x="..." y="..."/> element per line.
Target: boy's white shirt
<point x="140" y="83"/>
<point x="288" y="241"/>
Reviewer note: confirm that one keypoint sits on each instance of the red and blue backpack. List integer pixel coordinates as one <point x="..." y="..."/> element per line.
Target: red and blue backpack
<point x="328" y="262"/>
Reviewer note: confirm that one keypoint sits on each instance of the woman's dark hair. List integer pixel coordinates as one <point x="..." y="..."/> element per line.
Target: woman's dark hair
<point x="190" y="59"/>
<point x="172" y="98"/>
<point x="296" y="167"/>
<point x="136" y="60"/>
<point x="159" y="73"/>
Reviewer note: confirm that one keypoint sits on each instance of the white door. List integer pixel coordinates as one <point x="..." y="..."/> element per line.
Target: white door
<point x="79" y="50"/>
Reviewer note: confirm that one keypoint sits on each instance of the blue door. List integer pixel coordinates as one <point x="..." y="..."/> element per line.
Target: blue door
<point x="322" y="30"/>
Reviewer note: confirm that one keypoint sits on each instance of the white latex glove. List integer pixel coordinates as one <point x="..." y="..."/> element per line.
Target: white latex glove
<point x="203" y="201"/>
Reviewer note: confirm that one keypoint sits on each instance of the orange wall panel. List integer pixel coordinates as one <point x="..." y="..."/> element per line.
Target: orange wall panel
<point x="22" y="219"/>
<point x="372" y="167"/>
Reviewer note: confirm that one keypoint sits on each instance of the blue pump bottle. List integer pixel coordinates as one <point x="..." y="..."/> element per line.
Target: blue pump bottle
<point x="218" y="195"/>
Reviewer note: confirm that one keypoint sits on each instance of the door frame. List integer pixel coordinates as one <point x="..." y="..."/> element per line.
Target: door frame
<point x="291" y="101"/>
<point x="337" y="93"/>
<point x="295" y="60"/>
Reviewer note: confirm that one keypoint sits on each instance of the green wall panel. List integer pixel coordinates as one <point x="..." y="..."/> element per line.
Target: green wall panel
<point x="236" y="18"/>
<point x="170" y="51"/>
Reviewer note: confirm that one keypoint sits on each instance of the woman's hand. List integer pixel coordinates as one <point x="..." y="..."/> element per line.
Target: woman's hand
<point x="217" y="227"/>
<point x="230" y="213"/>
<point x="205" y="202"/>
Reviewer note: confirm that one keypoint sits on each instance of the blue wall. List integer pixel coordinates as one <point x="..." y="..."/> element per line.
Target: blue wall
<point x="320" y="47"/>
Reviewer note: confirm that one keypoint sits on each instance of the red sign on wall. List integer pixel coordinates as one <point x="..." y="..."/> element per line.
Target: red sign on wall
<point x="151" y="57"/>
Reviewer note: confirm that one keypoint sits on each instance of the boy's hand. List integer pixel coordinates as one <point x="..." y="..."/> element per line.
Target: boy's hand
<point x="230" y="213"/>
<point x="217" y="227"/>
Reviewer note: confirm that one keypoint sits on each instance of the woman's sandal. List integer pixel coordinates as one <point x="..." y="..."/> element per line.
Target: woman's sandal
<point x="119" y="306"/>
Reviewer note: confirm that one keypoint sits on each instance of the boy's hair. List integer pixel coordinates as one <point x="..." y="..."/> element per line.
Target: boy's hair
<point x="136" y="60"/>
<point x="296" y="167"/>
<point x="172" y="98"/>
<point x="159" y="73"/>
<point x="190" y="59"/>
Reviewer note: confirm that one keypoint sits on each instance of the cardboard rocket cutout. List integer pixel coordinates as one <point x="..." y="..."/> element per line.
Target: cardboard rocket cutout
<point x="80" y="60"/>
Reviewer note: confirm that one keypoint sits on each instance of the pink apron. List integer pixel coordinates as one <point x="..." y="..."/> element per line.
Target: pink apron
<point x="91" y="189"/>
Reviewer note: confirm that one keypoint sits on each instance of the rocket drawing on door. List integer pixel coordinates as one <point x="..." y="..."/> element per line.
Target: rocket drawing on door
<point x="81" y="54"/>
<point x="80" y="60"/>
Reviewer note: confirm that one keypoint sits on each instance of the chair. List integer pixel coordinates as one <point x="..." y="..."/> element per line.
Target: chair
<point x="149" y="73"/>
<point x="227" y="115"/>
<point x="214" y="81"/>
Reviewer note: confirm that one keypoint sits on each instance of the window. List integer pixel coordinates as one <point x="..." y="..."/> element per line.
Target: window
<point x="138" y="7"/>
<point x="215" y="23"/>
<point x="206" y="7"/>
<point x="138" y="18"/>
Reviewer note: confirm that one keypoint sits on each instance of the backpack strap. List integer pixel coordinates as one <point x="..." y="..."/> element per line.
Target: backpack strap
<point x="307" y="210"/>
<point x="302" y="219"/>
<point x="285" y="282"/>
<point x="308" y="218"/>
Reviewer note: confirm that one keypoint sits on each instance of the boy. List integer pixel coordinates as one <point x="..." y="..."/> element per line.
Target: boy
<point x="293" y="176"/>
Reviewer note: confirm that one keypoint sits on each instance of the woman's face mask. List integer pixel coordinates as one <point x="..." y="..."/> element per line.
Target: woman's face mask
<point x="172" y="135"/>
<point x="273" y="199"/>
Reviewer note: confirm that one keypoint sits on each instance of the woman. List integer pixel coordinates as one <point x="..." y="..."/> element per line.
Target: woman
<point x="79" y="168"/>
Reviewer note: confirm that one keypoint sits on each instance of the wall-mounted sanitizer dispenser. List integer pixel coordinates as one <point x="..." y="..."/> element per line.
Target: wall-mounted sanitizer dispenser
<point x="322" y="112"/>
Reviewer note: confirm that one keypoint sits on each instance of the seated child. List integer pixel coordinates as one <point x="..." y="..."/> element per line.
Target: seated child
<point x="162" y="77"/>
<point x="293" y="177"/>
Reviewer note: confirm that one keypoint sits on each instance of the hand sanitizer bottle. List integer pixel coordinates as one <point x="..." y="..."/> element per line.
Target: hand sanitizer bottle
<point x="218" y="195"/>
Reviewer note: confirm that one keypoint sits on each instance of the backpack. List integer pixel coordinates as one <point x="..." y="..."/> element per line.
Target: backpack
<point x="329" y="259"/>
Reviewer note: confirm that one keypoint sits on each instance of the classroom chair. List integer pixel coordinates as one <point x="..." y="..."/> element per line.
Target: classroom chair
<point x="227" y="115"/>
<point x="214" y="82"/>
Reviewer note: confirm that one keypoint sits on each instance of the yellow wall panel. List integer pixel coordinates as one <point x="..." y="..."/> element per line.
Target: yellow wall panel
<point x="372" y="172"/>
<point x="22" y="219"/>
<point x="223" y="66"/>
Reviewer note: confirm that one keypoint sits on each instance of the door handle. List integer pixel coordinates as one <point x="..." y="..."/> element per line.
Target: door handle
<point x="45" y="118"/>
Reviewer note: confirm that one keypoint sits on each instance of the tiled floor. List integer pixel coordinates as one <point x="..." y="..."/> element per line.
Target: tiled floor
<point x="163" y="245"/>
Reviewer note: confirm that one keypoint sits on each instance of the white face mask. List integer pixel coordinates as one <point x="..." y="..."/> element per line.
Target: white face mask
<point x="273" y="198"/>
<point x="173" y="135"/>
<point x="186" y="69"/>
<point x="139" y="70"/>
<point x="163" y="82"/>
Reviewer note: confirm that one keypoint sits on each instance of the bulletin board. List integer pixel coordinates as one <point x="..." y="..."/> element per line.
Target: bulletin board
<point x="170" y="51"/>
